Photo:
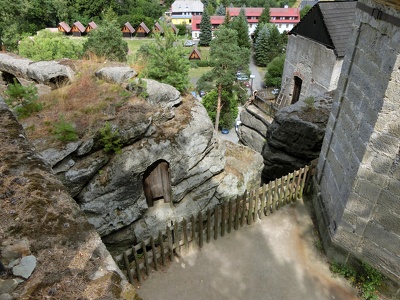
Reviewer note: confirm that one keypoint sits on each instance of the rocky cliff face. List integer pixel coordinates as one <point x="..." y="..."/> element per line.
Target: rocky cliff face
<point x="295" y="137"/>
<point x="156" y="124"/>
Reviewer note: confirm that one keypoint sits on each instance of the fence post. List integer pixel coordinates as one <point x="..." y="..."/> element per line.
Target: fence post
<point x="243" y="216"/>
<point x="185" y="234"/>
<point x="161" y="242"/>
<point x="262" y="201"/>
<point x="223" y="219"/>
<point x="137" y="265"/>
<point x="250" y="212"/>
<point x="170" y="246"/>
<point x="216" y="222"/>
<point x="208" y="225"/>
<point x="146" y="262"/>
<point x="153" y="249"/>
<point x="237" y="211"/>
<point x="177" y="239"/>
<point x="256" y="204"/>
<point x="128" y="269"/>
<point x="193" y="221"/>
<point x="200" y="230"/>
<point x="230" y="215"/>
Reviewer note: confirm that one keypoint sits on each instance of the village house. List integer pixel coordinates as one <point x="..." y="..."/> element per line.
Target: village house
<point x="283" y="18"/>
<point x="183" y="10"/>
<point x="215" y="22"/>
<point x="92" y="25"/>
<point x="127" y="30"/>
<point x="64" y="28"/>
<point x="78" y="29"/>
<point x="315" y="51"/>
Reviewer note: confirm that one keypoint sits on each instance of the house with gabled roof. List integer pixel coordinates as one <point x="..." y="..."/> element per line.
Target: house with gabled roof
<point x="77" y="29"/>
<point x="183" y="10"/>
<point x="142" y="30"/>
<point x="158" y="28"/>
<point x="127" y="30"/>
<point x="92" y="25"/>
<point x="64" y="28"/>
<point x="216" y="21"/>
<point x="315" y="51"/>
<point x="195" y="54"/>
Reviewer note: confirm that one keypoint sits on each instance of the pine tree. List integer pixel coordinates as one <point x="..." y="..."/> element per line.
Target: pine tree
<point x="227" y="20"/>
<point x="220" y="11"/>
<point x="240" y="25"/>
<point x="205" y="30"/>
<point x="264" y="19"/>
<point x="261" y="47"/>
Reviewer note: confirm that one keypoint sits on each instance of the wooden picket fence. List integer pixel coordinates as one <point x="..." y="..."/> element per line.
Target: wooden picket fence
<point x="153" y="252"/>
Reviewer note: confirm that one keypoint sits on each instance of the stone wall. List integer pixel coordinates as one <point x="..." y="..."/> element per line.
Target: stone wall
<point x="315" y="64"/>
<point x="358" y="175"/>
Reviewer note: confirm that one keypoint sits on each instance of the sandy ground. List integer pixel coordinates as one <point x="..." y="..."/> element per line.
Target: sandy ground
<point x="275" y="258"/>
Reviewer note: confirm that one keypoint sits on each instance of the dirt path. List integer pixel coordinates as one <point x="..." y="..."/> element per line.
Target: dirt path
<point x="273" y="259"/>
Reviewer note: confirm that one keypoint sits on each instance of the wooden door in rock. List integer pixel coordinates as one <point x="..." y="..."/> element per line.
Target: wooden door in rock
<point x="157" y="183"/>
<point x="297" y="89"/>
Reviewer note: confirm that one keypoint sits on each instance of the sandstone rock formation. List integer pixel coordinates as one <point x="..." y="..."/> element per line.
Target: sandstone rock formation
<point x="42" y="73"/>
<point x="154" y="124"/>
<point x="42" y="228"/>
<point x="253" y="128"/>
<point x="295" y="137"/>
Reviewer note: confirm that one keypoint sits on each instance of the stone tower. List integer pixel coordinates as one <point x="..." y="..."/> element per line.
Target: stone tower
<point x="357" y="196"/>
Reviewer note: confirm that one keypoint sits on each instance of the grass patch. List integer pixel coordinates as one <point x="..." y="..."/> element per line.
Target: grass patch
<point x="197" y="72"/>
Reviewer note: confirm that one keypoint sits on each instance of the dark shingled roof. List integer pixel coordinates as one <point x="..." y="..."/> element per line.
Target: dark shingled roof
<point x="147" y="30"/>
<point x="337" y="18"/>
<point x="130" y="27"/>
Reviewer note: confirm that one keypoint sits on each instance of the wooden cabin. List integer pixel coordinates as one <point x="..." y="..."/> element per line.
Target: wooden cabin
<point x="174" y="28"/>
<point x="142" y="30"/>
<point x="158" y="28"/>
<point x="92" y="25"/>
<point x="127" y="30"/>
<point x="78" y="29"/>
<point x="195" y="54"/>
<point x="157" y="183"/>
<point x="64" y="28"/>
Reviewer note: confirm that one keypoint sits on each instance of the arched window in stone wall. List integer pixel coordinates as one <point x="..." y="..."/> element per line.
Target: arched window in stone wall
<point x="157" y="182"/>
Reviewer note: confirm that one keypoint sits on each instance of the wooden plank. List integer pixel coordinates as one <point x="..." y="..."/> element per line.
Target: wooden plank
<point x="127" y="267"/>
<point x="153" y="249"/>
<point x="208" y="225"/>
<point x="250" y="212"/>
<point x="177" y="237"/>
<point x="216" y="222"/>
<point x="262" y="201"/>
<point x="193" y="221"/>
<point x="230" y="215"/>
<point x="170" y="247"/>
<point x="223" y="217"/>
<point x="200" y="229"/>
<point x="138" y="273"/>
<point x="146" y="262"/>
<point x="185" y="234"/>
<point x="303" y="182"/>
<point x="237" y="211"/>
<point x="161" y="243"/>
<point x="256" y="205"/>
<point x="243" y="216"/>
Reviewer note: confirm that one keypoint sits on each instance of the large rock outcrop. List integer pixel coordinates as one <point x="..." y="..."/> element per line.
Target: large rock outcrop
<point x="44" y="236"/>
<point x="295" y="136"/>
<point x="163" y="127"/>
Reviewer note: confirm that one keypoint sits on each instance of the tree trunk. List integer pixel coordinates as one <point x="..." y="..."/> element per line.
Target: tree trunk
<point x="218" y="108"/>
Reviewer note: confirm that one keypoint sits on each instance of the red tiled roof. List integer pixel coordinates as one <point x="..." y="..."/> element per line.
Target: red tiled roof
<point x="249" y="11"/>
<point x="215" y="21"/>
<point x="284" y="12"/>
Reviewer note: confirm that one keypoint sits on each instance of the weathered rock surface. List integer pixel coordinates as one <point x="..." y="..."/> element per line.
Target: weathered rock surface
<point x="295" y="137"/>
<point x="25" y="267"/>
<point x="116" y="74"/>
<point x="36" y="209"/>
<point x="50" y="73"/>
<point x="253" y="128"/>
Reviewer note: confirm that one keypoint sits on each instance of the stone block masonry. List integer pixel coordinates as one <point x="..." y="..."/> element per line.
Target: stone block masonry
<point x="357" y="197"/>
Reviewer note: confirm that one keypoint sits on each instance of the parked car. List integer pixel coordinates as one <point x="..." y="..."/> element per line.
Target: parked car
<point x="275" y="92"/>
<point x="189" y="43"/>
<point x="242" y="77"/>
<point x="224" y="131"/>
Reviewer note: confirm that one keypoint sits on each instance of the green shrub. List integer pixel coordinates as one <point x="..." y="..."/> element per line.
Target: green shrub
<point x="139" y="87"/>
<point x="22" y="99"/>
<point x="203" y="63"/>
<point x="366" y="279"/>
<point x="110" y="139"/>
<point x="309" y="102"/>
<point x="65" y="131"/>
